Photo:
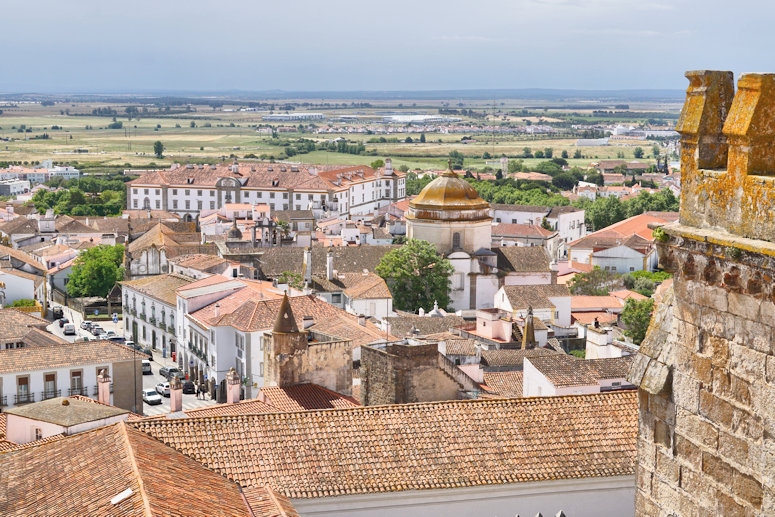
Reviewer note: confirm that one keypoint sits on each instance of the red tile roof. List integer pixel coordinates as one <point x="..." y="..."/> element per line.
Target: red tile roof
<point x="504" y="384"/>
<point x="110" y="460"/>
<point x="301" y="397"/>
<point x="414" y="446"/>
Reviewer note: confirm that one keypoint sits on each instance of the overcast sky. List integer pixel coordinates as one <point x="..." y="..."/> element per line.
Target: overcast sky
<point x="343" y="45"/>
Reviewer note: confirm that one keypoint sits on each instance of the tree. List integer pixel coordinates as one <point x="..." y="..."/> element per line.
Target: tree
<point x="548" y="152"/>
<point x="422" y="138"/>
<point x="456" y="157"/>
<point x="655" y="150"/>
<point x="638" y="152"/>
<point x="577" y="154"/>
<point x="564" y="181"/>
<point x="417" y="276"/>
<point x="636" y="315"/>
<point x="597" y="282"/>
<point x="376" y="164"/>
<point x="96" y="271"/>
<point x="291" y="278"/>
<point x="158" y="149"/>
<point x="564" y="154"/>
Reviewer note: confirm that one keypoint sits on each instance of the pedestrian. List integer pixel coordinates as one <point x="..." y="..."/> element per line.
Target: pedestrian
<point x="198" y="391"/>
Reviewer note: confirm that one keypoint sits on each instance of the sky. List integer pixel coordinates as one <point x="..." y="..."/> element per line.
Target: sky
<point x="94" y="46"/>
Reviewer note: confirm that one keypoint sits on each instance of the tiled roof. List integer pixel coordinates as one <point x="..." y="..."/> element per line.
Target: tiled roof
<point x="512" y="357"/>
<point x="523" y="259"/>
<point x="371" y="287"/>
<point x="111" y="460"/>
<point x="347" y="259"/>
<point x="66" y="412"/>
<point x="588" y="318"/>
<point x="63" y="355"/>
<point x="505" y="384"/>
<point x="17" y="324"/>
<point x="301" y="397"/>
<point x="617" y="232"/>
<point x="243" y="407"/>
<point x="535" y="296"/>
<point x="18" y="255"/>
<point x="414" y="446"/>
<point x="520" y="208"/>
<point x="530" y="231"/>
<point x="160" y="287"/>
<point x="565" y="370"/>
<point x="199" y="261"/>
<point x="584" y="302"/>
<point x="265" y="502"/>
<point x="402" y="324"/>
<point x="163" y="236"/>
<point x="556" y="211"/>
<point x="461" y="347"/>
<point x="626" y="294"/>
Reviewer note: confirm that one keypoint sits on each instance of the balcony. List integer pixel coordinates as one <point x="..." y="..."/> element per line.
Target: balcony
<point x="78" y="391"/>
<point x="4" y="400"/>
<point x="141" y="316"/>
<point x="152" y="320"/>
<point x="23" y="398"/>
<point x="50" y="394"/>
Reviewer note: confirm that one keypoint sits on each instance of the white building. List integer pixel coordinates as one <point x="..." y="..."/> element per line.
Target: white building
<point x="560" y="374"/>
<point x="13" y="187"/>
<point x="327" y="191"/>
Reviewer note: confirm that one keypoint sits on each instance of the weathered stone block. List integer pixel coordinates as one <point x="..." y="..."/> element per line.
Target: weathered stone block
<point x="688" y="453"/>
<point x="746" y="363"/>
<point x="744" y="305"/>
<point x="697" y="429"/>
<point x="727" y="506"/>
<point x="732" y="449"/>
<point x="686" y="392"/>
<point x="747" y="488"/>
<point x="662" y="408"/>
<point x="667" y="467"/>
<point x="731" y="387"/>
<point x="716" y="468"/>
<point x="717" y="410"/>
<point x="663" y="434"/>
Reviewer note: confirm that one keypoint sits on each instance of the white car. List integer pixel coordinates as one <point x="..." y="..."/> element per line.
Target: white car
<point x="163" y="388"/>
<point x="151" y="398"/>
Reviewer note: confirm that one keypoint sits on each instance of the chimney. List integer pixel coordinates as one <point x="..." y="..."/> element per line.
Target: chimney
<point x="103" y="387"/>
<point x="362" y="320"/>
<point x="232" y="387"/>
<point x="308" y="266"/>
<point x="478" y="348"/>
<point x="176" y="394"/>
<point x="217" y="310"/>
<point x="330" y="264"/>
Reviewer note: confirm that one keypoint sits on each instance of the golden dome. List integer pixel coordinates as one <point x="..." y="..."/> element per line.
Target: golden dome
<point x="449" y="197"/>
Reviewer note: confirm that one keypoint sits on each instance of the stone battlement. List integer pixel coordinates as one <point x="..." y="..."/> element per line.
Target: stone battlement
<point x="728" y="154"/>
<point x="706" y="369"/>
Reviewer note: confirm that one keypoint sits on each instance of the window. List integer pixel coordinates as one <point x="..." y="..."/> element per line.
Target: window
<point x="174" y="192"/>
<point x="174" y="203"/>
<point x="632" y="268"/>
<point x="76" y="382"/>
<point x="38" y="433"/>
<point x="212" y="205"/>
<point x="613" y="268"/>
<point x="199" y="205"/>
<point x="261" y="369"/>
<point x="212" y="193"/>
<point x="158" y="204"/>
<point x="144" y="334"/>
<point x="145" y="191"/>
<point x="456" y="240"/>
<point x="271" y="195"/>
<point x="298" y="197"/>
<point x="158" y="192"/>
<point x="198" y="192"/>
<point x="23" y="390"/>
<point x="513" y="221"/>
<point x="134" y="203"/>
<point x="336" y="298"/>
<point x="49" y="386"/>
<point x="188" y="192"/>
<point x="310" y="197"/>
<point x="188" y="204"/>
<point x="285" y="195"/>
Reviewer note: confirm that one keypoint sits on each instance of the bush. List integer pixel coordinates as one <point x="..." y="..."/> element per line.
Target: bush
<point x="24" y="302"/>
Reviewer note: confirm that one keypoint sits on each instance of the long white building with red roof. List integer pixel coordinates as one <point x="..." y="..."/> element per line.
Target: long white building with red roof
<point x="327" y="190"/>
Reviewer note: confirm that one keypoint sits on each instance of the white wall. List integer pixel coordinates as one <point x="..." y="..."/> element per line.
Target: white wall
<point x="590" y="497"/>
<point x="534" y="383"/>
<point x="16" y="288"/>
<point x="8" y="386"/>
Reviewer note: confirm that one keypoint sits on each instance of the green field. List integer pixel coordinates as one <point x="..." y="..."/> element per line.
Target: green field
<point x="222" y="135"/>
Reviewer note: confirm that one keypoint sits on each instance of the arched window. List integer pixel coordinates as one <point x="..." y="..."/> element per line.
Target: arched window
<point x="456" y="240"/>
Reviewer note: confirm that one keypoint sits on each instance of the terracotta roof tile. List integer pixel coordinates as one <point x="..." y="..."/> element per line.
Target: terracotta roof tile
<point x="265" y="502"/>
<point x="512" y="357"/>
<point x="17" y="324"/>
<point x="565" y="370"/>
<point x="414" y="446"/>
<point x="110" y="460"/>
<point x="243" y="407"/>
<point x="63" y="355"/>
<point x="505" y="384"/>
<point x="160" y="287"/>
<point x="535" y="296"/>
<point x="301" y="397"/>
<point x="522" y="259"/>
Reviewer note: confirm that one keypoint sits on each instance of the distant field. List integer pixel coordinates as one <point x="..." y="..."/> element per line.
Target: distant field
<point x="232" y="133"/>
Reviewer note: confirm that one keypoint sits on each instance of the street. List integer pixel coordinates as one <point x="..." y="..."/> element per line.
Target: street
<point x="149" y="381"/>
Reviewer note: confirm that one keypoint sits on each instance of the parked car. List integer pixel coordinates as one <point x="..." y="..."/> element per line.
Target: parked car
<point x="117" y="339"/>
<point x="96" y="330"/>
<point x="69" y="329"/>
<point x="163" y="388"/>
<point x="108" y="334"/>
<point x="147" y="367"/>
<point x="57" y="312"/>
<point x="86" y="324"/>
<point x="189" y="387"/>
<point x="63" y="321"/>
<point x="169" y="372"/>
<point x="151" y="397"/>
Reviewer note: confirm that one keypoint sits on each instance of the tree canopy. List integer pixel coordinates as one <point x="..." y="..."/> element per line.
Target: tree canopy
<point x="96" y="271"/>
<point x="417" y="276"/>
<point x="636" y="315"/>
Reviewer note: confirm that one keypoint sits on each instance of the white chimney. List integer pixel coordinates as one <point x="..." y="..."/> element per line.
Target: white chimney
<point x="217" y="310"/>
<point x="330" y="264"/>
<point x="362" y="320"/>
<point x="308" y="266"/>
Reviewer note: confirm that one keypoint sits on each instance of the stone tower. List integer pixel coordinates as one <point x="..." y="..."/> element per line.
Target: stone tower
<point x="286" y="343"/>
<point x="706" y="370"/>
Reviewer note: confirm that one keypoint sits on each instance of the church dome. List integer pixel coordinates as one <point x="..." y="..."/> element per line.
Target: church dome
<point x="449" y="198"/>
